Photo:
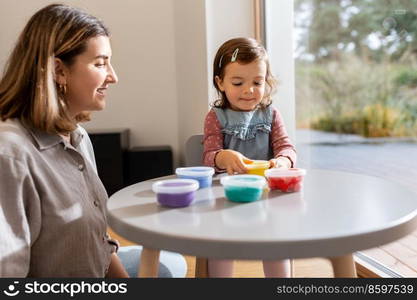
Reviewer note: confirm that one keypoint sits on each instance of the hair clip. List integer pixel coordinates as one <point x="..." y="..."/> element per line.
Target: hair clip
<point x="234" y="55"/>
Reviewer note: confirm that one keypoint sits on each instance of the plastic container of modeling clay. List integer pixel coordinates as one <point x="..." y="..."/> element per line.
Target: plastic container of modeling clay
<point x="204" y="175"/>
<point x="243" y="188"/>
<point x="285" y="180"/>
<point x="175" y="192"/>
<point x="257" y="167"/>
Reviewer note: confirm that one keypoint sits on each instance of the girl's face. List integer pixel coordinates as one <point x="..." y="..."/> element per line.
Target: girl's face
<point x="244" y="85"/>
<point x="88" y="78"/>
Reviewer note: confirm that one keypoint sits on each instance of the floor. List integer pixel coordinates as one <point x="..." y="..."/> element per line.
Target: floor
<point x="388" y="158"/>
<point x="312" y="268"/>
<point x="400" y="256"/>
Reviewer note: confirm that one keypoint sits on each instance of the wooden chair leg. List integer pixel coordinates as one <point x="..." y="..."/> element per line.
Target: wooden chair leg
<point x="201" y="267"/>
<point x="343" y="266"/>
<point x="149" y="263"/>
<point x="292" y="270"/>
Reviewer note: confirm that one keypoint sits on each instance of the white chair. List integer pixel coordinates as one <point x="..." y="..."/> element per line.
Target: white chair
<point x="194" y="151"/>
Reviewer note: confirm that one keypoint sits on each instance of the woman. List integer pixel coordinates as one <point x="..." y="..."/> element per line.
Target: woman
<point x="52" y="213"/>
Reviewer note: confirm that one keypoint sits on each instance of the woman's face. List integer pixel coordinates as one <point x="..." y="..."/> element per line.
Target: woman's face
<point x="88" y="78"/>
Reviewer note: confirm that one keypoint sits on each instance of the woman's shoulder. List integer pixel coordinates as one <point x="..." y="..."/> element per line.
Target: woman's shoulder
<point x="14" y="139"/>
<point x="13" y="132"/>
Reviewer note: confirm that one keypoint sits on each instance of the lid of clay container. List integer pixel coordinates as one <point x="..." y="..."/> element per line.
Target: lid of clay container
<point x="175" y="186"/>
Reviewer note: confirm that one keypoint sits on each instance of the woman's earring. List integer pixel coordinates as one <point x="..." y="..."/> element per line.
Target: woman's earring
<point x="62" y="88"/>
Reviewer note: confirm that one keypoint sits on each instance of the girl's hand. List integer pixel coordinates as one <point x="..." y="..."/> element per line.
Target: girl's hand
<point x="232" y="161"/>
<point x="281" y="162"/>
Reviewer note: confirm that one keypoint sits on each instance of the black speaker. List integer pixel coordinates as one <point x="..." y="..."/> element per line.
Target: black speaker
<point x="144" y="163"/>
<point x="109" y="148"/>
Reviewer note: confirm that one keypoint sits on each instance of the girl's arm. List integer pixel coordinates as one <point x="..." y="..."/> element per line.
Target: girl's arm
<point x="213" y="140"/>
<point x="284" y="151"/>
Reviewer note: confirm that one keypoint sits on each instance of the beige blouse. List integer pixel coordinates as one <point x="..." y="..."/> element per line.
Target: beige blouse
<point x="52" y="206"/>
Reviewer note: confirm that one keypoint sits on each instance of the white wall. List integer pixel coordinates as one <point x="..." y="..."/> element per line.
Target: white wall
<point x="201" y="27"/>
<point x="279" y="39"/>
<point x="143" y="43"/>
<point x="191" y="68"/>
<point x="144" y="57"/>
<point x="162" y="52"/>
<point x="234" y="18"/>
<point x="226" y="20"/>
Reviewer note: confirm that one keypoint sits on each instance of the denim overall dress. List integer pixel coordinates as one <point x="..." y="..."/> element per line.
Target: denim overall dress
<point x="247" y="131"/>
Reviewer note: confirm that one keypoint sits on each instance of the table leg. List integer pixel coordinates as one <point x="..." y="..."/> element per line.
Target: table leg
<point x="149" y="263"/>
<point x="201" y="267"/>
<point x="343" y="266"/>
<point x="292" y="270"/>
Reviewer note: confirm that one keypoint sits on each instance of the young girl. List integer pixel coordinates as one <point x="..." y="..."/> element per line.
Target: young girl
<point x="243" y="126"/>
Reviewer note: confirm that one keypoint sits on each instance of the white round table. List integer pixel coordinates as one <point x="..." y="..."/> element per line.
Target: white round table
<point x="334" y="215"/>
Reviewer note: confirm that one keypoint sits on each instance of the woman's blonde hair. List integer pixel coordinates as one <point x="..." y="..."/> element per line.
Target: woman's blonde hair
<point x="249" y="50"/>
<point x="28" y="90"/>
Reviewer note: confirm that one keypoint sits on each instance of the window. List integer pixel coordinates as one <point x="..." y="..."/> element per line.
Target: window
<point x="355" y="91"/>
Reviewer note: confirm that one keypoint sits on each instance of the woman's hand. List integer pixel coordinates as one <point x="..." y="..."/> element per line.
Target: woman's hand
<point x="232" y="161"/>
<point x="281" y="162"/>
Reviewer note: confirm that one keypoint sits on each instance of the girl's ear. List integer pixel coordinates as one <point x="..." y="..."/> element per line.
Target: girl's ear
<point x="60" y="72"/>
<point x="219" y="83"/>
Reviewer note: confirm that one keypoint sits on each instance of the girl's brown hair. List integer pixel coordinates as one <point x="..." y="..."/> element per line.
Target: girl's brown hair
<point x="28" y="90"/>
<point x="249" y="50"/>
